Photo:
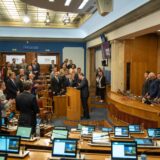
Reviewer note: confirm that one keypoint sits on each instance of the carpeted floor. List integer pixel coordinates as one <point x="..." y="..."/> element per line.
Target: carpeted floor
<point x="97" y="114"/>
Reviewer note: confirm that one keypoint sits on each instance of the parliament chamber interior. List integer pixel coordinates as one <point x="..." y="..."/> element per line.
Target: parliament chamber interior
<point x="80" y="79"/>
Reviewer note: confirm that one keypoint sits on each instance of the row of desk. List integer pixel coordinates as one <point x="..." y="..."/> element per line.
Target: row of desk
<point x="43" y="155"/>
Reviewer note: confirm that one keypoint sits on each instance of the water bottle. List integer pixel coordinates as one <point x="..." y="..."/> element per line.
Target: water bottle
<point x="38" y="131"/>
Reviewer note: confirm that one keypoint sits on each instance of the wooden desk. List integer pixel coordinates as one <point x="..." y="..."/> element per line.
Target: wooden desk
<point x="60" y="106"/>
<point x="126" y="110"/>
<point x="43" y="155"/>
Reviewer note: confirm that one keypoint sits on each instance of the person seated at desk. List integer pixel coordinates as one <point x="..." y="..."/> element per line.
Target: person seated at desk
<point x="56" y="84"/>
<point x="26" y="104"/>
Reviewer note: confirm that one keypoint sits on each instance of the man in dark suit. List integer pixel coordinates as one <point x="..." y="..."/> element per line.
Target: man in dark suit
<point x="26" y="104"/>
<point x="11" y="86"/>
<point x="145" y="87"/>
<point x="83" y="87"/>
<point x="56" y="84"/>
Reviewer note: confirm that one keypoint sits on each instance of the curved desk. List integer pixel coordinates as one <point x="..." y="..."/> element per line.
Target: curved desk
<point x="124" y="109"/>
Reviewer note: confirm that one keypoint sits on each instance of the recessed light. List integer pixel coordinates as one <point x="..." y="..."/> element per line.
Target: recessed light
<point x="83" y="4"/>
<point x="51" y="0"/>
<point x="67" y="3"/>
<point x="26" y="19"/>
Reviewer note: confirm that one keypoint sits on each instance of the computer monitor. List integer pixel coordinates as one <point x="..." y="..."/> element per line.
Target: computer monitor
<point x="87" y="130"/>
<point x="9" y="144"/>
<point x="134" y="128"/>
<point x="24" y="132"/>
<point x="105" y="129"/>
<point x="124" y="150"/>
<point x="100" y="137"/>
<point x="3" y="156"/>
<point x="59" y="133"/>
<point x="153" y="132"/>
<point x="144" y="141"/>
<point x="64" y="148"/>
<point x="121" y="131"/>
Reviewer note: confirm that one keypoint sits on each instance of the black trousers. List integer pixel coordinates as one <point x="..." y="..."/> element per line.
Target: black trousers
<point x="85" y="107"/>
<point x="102" y="93"/>
<point x="28" y="120"/>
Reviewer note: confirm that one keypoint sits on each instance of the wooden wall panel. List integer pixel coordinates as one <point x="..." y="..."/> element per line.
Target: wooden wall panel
<point x="141" y="52"/>
<point x="158" y="59"/>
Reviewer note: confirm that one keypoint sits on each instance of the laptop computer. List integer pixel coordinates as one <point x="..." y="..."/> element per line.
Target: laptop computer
<point x="153" y="133"/>
<point x="100" y="139"/>
<point x="11" y="145"/>
<point x="25" y="133"/>
<point x="64" y="148"/>
<point x="3" y="156"/>
<point x="60" y="127"/>
<point x="86" y="131"/>
<point x="144" y="142"/>
<point x="135" y="128"/>
<point x="124" y="150"/>
<point x="59" y="133"/>
<point x="121" y="132"/>
<point x="4" y="122"/>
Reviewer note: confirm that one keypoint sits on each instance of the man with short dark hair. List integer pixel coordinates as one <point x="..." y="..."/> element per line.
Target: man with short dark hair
<point x="26" y="104"/>
<point x="83" y="87"/>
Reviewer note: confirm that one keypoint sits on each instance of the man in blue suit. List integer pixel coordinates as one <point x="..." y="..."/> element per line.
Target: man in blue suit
<point x="83" y="87"/>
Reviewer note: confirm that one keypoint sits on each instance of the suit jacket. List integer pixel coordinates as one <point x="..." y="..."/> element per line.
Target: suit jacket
<point x="153" y="89"/>
<point x="145" y="87"/>
<point x="20" y="85"/>
<point x="26" y="104"/>
<point x="84" y="88"/>
<point x="102" y="82"/>
<point x="11" y="89"/>
<point x="56" y="85"/>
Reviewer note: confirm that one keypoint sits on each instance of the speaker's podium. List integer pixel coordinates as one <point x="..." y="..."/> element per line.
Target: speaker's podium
<point x="73" y="104"/>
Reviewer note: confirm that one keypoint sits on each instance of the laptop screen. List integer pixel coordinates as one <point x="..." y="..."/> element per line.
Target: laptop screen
<point x="153" y="132"/>
<point x="104" y="129"/>
<point x="121" y="131"/>
<point x="64" y="147"/>
<point x="134" y="128"/>
<point x="59" y="133"/>
<point x="9" y="144"/>
<point x="4" y="121"/>
<point x="3" y="157"/>
<point x="24" y="132"/>
<point x="124" y="150"/>
<point x="87" y="130"/>
<point x="100" y="137"/>
<point x="144" y="141"/>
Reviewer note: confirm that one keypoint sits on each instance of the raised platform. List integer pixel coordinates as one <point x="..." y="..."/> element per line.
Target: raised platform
<point x="123" y="110"/>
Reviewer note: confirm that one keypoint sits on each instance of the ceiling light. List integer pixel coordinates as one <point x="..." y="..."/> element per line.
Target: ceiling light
<point x="51" y="0"/>
<point x="47" y="18"/>
<point x="66" y="19"/>
<point x="26" y="19"/>
<point x="83" y="4"/>
<point x="158" y="30"/>
<point x="67" y="3"/>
